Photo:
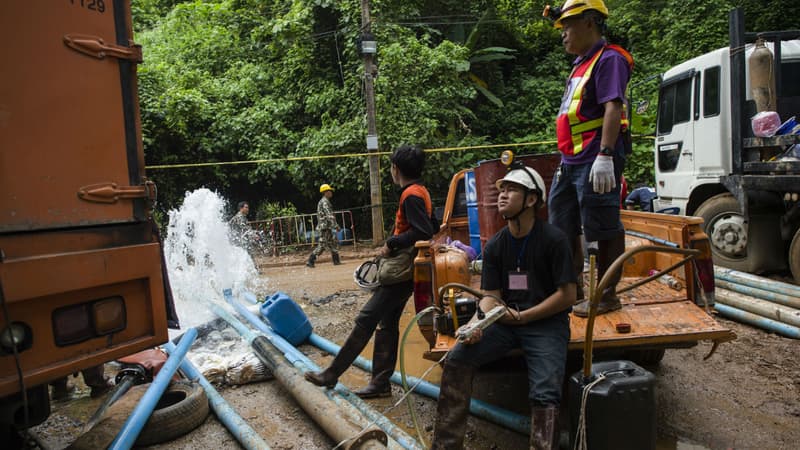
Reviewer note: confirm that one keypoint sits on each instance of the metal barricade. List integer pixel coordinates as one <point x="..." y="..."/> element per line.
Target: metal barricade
<point x="295" y="232"/>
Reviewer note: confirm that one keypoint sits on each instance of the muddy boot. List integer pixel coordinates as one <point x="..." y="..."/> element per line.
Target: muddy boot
<point x="62" y="388"/>
<point x="607" y="252"/>
<point x="453" y="406"/>
<point x="96" y="379"/>
<point x="336" y="260"/>
<point x="347" y="354"/>
<point x="311" y="259"/>
<point x="544" y="428"/>
<point x="384" y="357"/>
<point x="607" y="304"/>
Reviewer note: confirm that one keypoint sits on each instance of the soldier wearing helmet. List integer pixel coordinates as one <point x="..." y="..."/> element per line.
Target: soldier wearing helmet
<point x="326" y="226"/>
<point x="527" y="266"/>
<point x="593" y="138"/>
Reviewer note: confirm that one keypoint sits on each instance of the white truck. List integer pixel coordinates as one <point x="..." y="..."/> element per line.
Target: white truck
<point x="708" y="164"/>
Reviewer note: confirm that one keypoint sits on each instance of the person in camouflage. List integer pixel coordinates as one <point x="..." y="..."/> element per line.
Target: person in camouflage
<point x="239" y="227"/>
<point x="326" y="227"/>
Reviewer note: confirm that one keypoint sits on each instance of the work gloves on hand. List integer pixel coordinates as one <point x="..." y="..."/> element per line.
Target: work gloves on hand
<point x="602" y="174"/>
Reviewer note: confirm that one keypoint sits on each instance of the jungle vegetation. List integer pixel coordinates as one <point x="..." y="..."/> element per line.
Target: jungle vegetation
<point x="282" y="82"/>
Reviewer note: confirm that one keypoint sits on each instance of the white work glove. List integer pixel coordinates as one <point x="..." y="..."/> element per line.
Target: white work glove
<point x="602" y="174"/>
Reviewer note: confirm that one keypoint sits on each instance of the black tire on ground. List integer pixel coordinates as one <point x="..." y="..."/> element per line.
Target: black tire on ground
<point x="722" y="216"/>
<point x="794" y="257"/>
<point x="182" y="408"/>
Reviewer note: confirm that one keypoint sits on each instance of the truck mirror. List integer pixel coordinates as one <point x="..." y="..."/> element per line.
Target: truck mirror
<point x="641" y="106"/>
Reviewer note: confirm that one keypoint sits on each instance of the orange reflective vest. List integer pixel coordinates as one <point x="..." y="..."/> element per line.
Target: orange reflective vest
<point x="573" y="129"/>
<point x="400" y="222"/>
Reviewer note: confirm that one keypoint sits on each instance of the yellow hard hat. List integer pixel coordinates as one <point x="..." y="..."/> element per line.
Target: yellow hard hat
<point x="572" y="8"/>
<point x="325" y="187"/>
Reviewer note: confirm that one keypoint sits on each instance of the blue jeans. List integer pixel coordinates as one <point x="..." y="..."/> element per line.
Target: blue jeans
<point x="544" y="345"/>
<point x="574" y="206"/>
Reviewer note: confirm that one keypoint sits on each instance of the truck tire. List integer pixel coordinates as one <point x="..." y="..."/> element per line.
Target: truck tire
<point x="794" y="257"/>
<point x="725" y="226"/>
<point x="181" y="409"/>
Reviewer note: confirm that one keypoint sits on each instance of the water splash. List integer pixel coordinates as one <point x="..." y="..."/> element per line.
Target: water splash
<point x="201" y="259"/>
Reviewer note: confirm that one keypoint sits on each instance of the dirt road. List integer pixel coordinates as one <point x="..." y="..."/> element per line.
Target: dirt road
<point x="745" y="396"/>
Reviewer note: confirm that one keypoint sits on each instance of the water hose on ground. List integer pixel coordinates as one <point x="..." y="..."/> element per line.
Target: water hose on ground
<point x="478" y="408"/>
<point x="238" y="427"/>
<point x="136" y="421"/>
<point x="340" y="394"/>
<point x="411" y="410"/>
<point x="313" y="401"/>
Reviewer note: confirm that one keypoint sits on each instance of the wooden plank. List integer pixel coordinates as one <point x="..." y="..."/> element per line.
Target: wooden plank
<point x="656" y="324"/>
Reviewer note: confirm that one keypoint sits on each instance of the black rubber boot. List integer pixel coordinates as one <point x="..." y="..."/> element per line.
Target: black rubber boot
<point x="311" y="259"/>
<point x="95" y="378"/>
<point x="544" y="428"/>
<point x="384" y="357"/>
<point x="62" y="388"/>
<point x="336" y="260"/>
<point x="347" y="354"/>
<point x="453" y="406"/>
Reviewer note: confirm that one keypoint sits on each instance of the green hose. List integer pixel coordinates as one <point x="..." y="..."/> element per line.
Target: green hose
<point x="403" y="373"/>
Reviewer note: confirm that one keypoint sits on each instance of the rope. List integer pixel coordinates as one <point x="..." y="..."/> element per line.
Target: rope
<point x="580" y="439"/>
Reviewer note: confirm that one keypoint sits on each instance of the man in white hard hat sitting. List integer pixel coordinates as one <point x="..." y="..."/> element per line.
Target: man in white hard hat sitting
<point x="528" y="267"/>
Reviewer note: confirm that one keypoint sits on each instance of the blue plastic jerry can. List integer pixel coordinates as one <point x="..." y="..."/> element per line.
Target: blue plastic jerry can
<point x="286" y="318"/>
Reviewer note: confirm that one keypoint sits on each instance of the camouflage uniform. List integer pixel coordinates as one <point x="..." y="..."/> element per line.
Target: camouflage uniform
<point x="239" y="230"/>
<point x="326" y="226"/>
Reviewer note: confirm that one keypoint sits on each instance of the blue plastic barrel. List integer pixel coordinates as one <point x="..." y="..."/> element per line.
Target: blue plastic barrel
<point x="286" y="318"/>
<point x="345" y="236"/>
<point x="472" y="212"/>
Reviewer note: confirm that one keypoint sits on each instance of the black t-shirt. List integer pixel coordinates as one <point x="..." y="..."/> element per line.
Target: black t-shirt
<point x="547" y="259"/>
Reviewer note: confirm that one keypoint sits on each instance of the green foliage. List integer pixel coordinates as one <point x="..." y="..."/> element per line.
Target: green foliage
<point x="281" y="82"/>
<point x="269" y="210"/>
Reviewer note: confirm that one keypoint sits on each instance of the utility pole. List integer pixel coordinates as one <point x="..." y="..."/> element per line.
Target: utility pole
<point x="368" y="50"/>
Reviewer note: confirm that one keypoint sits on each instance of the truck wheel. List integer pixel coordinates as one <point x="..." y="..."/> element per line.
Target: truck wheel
<point x="794" y="257"/>
<point x="181" y="409"/>
<point x="727" y="231"/>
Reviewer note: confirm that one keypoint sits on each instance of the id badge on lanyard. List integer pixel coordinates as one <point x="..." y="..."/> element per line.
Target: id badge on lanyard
<point x="518" y="280"/>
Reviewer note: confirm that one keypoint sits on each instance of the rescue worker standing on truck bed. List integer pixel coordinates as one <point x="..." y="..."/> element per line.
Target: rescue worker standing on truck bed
<point x="528" y="266"/>
<point x="414" y="221"/>
<point x="593" y="138"/>
<point x="326" y="226"/>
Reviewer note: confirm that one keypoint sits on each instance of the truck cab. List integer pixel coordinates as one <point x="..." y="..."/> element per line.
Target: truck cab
<point x="708" y="164"/>
<point x="82" y="279"/>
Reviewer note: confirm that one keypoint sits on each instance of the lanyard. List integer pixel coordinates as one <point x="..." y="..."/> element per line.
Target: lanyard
<point x="522" y="250"/>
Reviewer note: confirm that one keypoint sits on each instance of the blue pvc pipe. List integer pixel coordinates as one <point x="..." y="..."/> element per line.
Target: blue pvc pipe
<point x="755" y="281"/>
<point x="136" y="421"/>
<point x="774" y="297"/>
<point x="250" y="297"/>
<point x="304" y="364"/>
<point x="238" y="427"/>
<point x="479" y="408"/>
<point x="758" y="321"/>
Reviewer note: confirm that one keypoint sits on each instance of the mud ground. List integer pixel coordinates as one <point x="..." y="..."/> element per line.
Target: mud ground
<point x="745" y="396"/>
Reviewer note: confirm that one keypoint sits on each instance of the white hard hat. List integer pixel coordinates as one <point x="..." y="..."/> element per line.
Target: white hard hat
<point x="366" y="275"/>
<point x="526" y="177"/>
